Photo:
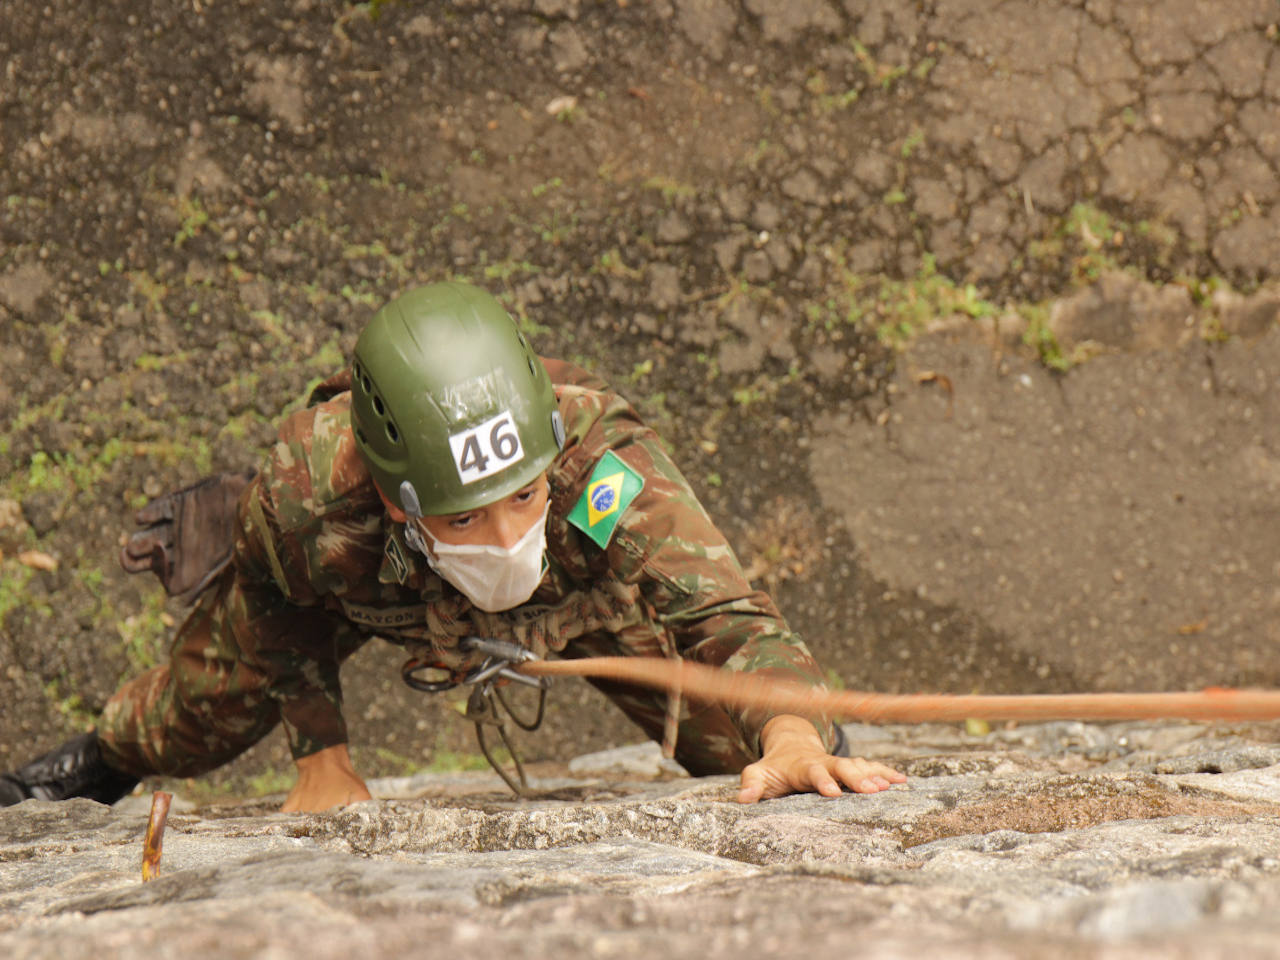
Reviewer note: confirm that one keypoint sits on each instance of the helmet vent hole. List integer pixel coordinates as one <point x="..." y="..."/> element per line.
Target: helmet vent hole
<point x="364" y="382"/>
<point x="378" y="407"/>
<point x="360" y="436"/>
<point x="392" y="432"/>
<point x="355" y="369"/>
<point x="532" y="369"/>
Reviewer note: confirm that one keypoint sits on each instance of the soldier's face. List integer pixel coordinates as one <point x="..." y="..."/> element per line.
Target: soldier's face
<point x="499" y="524"/>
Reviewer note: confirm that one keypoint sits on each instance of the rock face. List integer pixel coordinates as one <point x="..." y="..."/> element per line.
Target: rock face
<point x="1068" y="512"/>
<point x="1060" y="840"/>
<point x="731" y="209"/>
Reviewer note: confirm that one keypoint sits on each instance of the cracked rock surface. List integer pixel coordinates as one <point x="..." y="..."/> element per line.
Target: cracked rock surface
<point x="1050" y="840"/>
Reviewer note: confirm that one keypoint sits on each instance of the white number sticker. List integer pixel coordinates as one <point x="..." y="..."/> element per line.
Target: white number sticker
<point x="483" y="450"/>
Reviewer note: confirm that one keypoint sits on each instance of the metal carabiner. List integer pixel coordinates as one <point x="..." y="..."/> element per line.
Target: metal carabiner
<point x="499" y="656"/>
<point x="482" y="704"/>
<point x="408" y="673"/>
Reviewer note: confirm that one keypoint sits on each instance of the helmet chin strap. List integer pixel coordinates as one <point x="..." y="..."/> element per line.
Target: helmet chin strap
<point x="413" y="511"/>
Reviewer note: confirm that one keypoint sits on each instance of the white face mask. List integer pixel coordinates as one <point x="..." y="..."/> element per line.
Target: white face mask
<point x="493" y="578"/>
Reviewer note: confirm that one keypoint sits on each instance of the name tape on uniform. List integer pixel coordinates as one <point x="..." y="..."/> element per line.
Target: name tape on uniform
<point x="487" y="448"/>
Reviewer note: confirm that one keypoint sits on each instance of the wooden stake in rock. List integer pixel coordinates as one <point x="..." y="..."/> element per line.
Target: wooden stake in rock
<point x="151" y="845"/>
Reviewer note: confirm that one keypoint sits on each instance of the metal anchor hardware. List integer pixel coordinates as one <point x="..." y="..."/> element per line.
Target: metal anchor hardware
<point x="487" y="696"/>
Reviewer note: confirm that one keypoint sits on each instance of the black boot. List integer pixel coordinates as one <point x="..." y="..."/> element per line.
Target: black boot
<point x="75" y="769"/>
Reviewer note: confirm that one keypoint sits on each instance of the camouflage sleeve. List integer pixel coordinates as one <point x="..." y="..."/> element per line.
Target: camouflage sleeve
<point x="667" y="545"/>
<point x="281" y="627"/>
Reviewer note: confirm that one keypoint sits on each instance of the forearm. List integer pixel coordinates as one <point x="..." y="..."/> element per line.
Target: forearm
<point x="784" y="728"/>
<point x="299" y="650"/>
<point x="765" y="648"/>
<point x="732" y="627"/>
<point x="786" y="659"/>
<point x="313" y="722"/>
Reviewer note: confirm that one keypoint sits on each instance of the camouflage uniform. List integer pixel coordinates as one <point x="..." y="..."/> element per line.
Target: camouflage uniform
<point x="319" y="568"/>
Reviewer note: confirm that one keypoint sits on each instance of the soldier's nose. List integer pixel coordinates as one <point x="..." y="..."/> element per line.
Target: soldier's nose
<point x="507" y="529"/>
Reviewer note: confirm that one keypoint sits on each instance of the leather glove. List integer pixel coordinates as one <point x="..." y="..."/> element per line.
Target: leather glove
<point x="187" y="536"/>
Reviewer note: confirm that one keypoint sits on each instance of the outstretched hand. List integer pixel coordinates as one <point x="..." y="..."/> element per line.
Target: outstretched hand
<point x="795" y="761"/>
<point x="325" y="779"/>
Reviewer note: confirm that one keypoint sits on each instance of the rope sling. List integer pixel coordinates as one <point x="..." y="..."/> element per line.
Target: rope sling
<point x="699" y="682"/>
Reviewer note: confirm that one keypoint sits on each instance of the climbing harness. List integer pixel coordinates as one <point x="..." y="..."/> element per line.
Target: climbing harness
<point x="486" y="682"/>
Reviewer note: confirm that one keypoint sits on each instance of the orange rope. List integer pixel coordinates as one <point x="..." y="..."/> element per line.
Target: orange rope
<point x="752" y="691"/>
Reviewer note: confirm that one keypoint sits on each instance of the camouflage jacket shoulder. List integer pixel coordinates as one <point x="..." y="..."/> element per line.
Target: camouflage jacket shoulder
<point x="313" y="510"/>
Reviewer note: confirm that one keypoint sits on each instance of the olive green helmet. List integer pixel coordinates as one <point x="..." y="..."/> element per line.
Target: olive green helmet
<point x="450" y="407"/>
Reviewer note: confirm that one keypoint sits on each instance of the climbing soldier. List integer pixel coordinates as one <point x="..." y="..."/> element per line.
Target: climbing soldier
<point x="448" y="485"/>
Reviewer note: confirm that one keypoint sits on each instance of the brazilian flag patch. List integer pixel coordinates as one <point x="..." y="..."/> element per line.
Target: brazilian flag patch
<point x="612" y="487"/>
